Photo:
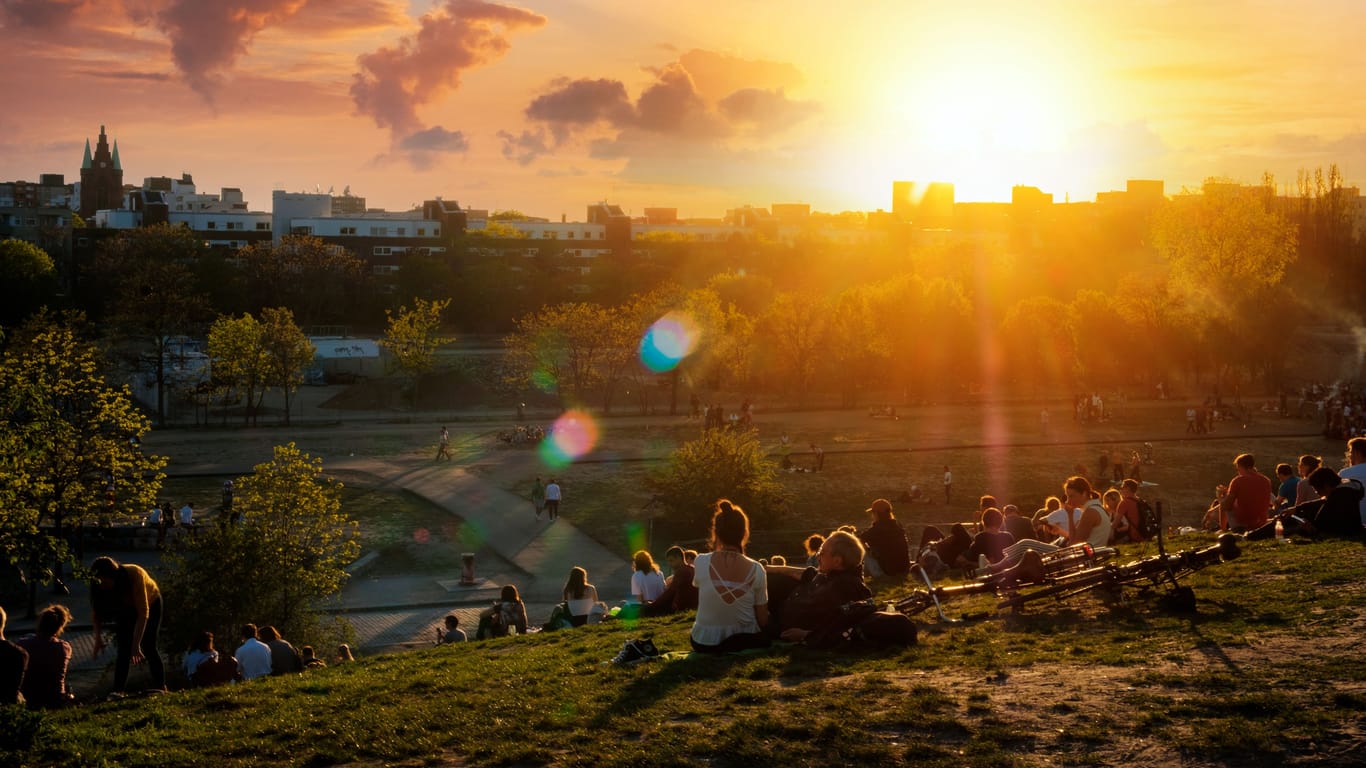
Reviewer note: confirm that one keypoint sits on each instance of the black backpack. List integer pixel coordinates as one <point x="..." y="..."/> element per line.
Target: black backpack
<point x="1148" y="524"/>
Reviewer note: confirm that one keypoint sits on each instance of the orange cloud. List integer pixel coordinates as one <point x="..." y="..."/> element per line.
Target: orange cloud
<point x="459" y="35"/>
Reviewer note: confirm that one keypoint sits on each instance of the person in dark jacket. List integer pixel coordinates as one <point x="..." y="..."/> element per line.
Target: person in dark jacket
<point x="888" y="552"/>
<point x="1335" y="513"/>
<point x="807" y="603"/>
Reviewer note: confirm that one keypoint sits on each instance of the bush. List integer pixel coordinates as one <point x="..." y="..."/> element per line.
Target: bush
<point x="722" y="463"/>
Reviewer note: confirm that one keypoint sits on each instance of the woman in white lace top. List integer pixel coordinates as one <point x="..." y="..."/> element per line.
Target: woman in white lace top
<point x="732" y="589"/>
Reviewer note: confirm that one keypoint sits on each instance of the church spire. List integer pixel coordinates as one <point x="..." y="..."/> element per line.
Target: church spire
<point x="117" y="165"/>
<point x="87" y="161"/>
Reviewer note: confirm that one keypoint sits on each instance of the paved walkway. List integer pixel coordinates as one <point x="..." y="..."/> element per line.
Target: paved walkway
<point x="387" y="613"/>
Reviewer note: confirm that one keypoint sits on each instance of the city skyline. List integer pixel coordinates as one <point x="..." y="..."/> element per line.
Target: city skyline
<point x="545" y="107"/>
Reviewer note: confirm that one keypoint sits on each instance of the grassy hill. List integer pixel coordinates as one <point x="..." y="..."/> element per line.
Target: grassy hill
<point x="1268" y="672"/>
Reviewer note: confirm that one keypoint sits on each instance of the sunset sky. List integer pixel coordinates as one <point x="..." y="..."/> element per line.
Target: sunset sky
<point x="547" y="106"/>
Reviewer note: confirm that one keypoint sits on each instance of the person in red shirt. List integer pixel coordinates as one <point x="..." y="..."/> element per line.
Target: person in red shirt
<point x="1127" y="511"/>
<point x="1244" y="506"/>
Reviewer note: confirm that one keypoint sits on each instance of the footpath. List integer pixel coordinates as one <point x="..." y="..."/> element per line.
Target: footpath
<point x="392" y="612"/>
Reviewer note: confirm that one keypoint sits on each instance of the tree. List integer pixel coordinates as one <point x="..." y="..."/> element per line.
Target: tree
<point x="289" y="351"/>
<point x="794" y="332"/>
<point x="28" y="278"/>
<point x="72" y="447"/>
<point x="412" y="337"/>
<point x="495" y="230"/>
<point x="154" y="294"/>
<point x="241" y="362"/>
<point x="722" y="463"/>
<point x="319" y="282"/>
<point x="288" y="553"/>
<point x="557" y="349"/>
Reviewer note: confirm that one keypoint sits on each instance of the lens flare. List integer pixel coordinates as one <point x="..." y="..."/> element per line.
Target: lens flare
<point x="543" y="380"/>
<point x="671" y="338"/>
<point x="573" y="436"/>
<point x="636" y="539"/>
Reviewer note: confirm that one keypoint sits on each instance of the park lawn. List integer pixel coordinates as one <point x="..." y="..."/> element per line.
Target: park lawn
<point x="608" y="494"/>
<point x="1258" y="676"/>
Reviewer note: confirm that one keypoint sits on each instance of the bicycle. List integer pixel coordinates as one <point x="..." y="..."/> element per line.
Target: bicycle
<point x="1146" y="573"/>
<point x="1031" y="569"/>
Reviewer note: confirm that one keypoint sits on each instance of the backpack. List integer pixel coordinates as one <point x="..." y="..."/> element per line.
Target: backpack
<point x="1148" y="524"/>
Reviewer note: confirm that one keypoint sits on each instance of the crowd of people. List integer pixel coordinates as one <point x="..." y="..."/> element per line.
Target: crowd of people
<point x="740" y="603"/>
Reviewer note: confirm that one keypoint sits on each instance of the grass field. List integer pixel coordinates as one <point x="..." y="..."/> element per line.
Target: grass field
<point x="1266" y="673"/>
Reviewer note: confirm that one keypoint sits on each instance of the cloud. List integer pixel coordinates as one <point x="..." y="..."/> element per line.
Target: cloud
<point x="393" y="82"/>
<point x="766" y="109"/>
<point x="600" y="112"/>
<point x="208" y="37"/>
<point x="115" y="74"/>
<point x="581" y="103"/>
<point x="524" y="148"/>
<point x="38" y="14"/>
<point x="327" y="18"/>
<point x="434" y="139"/>
<point x="717" y="74"/>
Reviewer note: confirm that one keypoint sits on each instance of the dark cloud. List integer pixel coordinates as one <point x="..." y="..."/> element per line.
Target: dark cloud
<point x="38" y="14"/>
<point x="458" y="35"/>
<point x="208" y="37"/>
<point x="672" y="106"/>
<point x="524" y="148"/>
<point x="765" y="109"/>
<point x="581" y="103"/>
<point x="434" y="139"/>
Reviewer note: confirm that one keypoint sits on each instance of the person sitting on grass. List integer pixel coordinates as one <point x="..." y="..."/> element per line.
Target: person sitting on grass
<point x="647" y="583"/>
<point x="732" y="604"/>
<point x="253" y="656"/>
<point x="310" y="658"/>
<point x="13" y="662"/>
<point x="284" y="658"/>
<point x="581" y="599"/>
<point x="452" y="633"/>
<point x="885" y="542"/>
<point x="201" y="650"/>
<point x="344" y="655"/>
<point x="49" y="656"/>
<point x="990" y="544"/>
<point x="1336" y="513"/>
<point x="807" y="602"/>
<point x="507" y="613"/>
<point x="813" y="547"/>
<point x="680" y="594"/>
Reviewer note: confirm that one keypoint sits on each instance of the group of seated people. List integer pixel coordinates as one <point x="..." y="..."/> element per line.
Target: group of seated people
<point x="33" y="668"/>
<point x="262" y="652"/>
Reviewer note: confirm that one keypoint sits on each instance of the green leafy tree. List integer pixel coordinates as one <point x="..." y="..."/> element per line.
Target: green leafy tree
<point x="319" y="282"/>
<point x="495" y="230"/>
<point x="794" y="332"/>
<point x="241" y="361"/>
<point x="28" y="278"/>
<point x="288" y="553"/>
<point x="559" y="349"/>
<point x="155" y="295"/>
<point x="722" y="463"/>
<point x="289" y="351"/>
<point x="413" y="337"/>
<point x="72" y="447"/>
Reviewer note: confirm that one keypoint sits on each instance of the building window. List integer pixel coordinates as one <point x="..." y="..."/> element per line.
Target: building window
<point x="379" y="231"/>
<point x="263" y="225"/>
<point x="382" y="250"/>
<point x="436" y="231"/>
<point x="569" y="235"/>
<point x="547" y="235"/>
<point x="602" y="235"/>
<point x="402" y="231"/>
<point x="421" y="231"/>
<point x="211" y="225"/>
<point x="348" y="230"/>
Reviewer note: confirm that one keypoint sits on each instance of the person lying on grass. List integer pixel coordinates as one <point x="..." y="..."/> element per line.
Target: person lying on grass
<point x="807" y="602"/>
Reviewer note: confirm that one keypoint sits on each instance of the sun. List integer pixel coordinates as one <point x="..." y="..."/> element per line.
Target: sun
<point x="985" y="114"/>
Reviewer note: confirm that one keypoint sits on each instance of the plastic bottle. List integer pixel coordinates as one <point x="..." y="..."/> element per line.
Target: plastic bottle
<point x="1280" y="532"/>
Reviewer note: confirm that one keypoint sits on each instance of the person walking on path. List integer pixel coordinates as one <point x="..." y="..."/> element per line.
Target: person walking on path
<point x="552" y="499"/>
<point x="128" y="597"/>
<point x="443" y="449"/>
<point x="948" y="484"/>
<point x="538" y="497"/>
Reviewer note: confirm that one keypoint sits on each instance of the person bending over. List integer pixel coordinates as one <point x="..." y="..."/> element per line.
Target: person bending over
<point x="127" y="597"/>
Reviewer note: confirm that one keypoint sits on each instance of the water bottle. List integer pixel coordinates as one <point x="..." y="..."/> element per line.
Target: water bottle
<point x="1280" y="532"/>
